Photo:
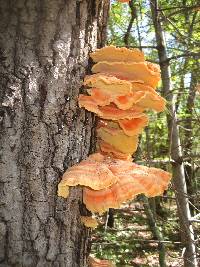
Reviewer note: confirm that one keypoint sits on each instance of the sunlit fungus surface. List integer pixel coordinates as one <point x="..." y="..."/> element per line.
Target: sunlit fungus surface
<point x="119" y="92"/>
<point x="93" y="262"/>
<point x="89" y="221"/>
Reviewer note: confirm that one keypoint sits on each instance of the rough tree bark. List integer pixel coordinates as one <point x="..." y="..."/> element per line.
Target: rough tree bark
<point x="44" y="49"/>
<point x="179" y="181"/>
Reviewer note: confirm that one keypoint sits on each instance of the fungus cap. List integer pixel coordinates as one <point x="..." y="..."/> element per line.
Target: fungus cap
<point x="133" y="179"/>
<point x="134" y="126"/>
<point x="63" y="190"/>
<point x="113" y="54"/>
<point x="143" y="99"/>
<point x="141" y="86"/>
<point x="116" y="138"/>
<point x="93" y="262"/>
<point x="89" y="221"/>
<point x="143" y="71"/>
<point x="109" y="150"/>
<point x="130" y="127"/>
<point x="150" y="100"/>
<point x="111" y="111"/>
<point x="91" y="172"/>
<point x="108" y="83"/>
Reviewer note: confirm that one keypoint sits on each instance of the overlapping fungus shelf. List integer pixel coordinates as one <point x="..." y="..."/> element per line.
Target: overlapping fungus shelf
<point x="92" y="172"/>
<point x="133" y="180"/>
<point x="115" y="54"/>
<point x="93" y="262"/>
<point x="89" y="221"/>
<point x="144" y="71"/>
<point x="121" y="89"/>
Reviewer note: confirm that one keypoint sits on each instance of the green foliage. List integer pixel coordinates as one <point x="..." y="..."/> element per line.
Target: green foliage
<point x="127" y="242"/>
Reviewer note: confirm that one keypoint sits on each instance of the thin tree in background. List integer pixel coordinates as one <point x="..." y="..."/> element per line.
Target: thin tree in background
<point x="179" y="181"/>
<point x="151" y="216"/>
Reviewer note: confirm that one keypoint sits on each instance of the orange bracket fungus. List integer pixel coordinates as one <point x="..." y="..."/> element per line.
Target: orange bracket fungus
<point x="93" y="262"/>
<point x="115" y="54"/>
<point x="132" y="180"/>
<point x="89" y="222"/>
<point x="83" y="174"/>
<point x="121" y="89"/>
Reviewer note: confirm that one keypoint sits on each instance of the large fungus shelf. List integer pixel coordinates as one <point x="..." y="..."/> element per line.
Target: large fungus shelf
<point x="108" y="84"/>
<point x="113" y="54"/>
<point x="92" y="172"/>
<point x="132" y="180"/>
<point x="144" y="71"/>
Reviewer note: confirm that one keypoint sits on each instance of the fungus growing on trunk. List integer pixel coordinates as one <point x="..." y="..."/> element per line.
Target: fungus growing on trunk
<point x="108" y="84"/>
<point x="93" y="262"/>
<point x="89" y="221"/>
<point x="134" y="126"/>
<point x="132" y="180"/>
<point x="145" y="71"/>
<point x="118" y="139"/>
<point x="114" y="54"/>
<point x="109" y="150"/>
<point x="63" y="190"/>
<point x="109" y="112"/>
<point x="130" y="127"/>
<point x="122" y="89"/>
<point x="91" y="172"/>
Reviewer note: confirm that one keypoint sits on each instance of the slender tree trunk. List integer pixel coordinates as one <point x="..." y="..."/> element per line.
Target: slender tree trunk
<point x="111" y="218"/>
<point x="149" y="204"/>
<point x="188" y="126"/>
<point x="44" y="49"/>
<point x="179" y="180"/>
<point x="150" y="211"/>
<point x="155" y="230"/>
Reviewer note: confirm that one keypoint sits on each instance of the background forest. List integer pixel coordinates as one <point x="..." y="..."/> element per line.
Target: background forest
<point x="162" y="231"/>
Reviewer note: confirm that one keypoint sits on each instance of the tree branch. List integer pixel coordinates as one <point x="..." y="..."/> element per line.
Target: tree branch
<point x="191" y="54"/>
<point x="179" y="7"/>
<point x="133" y="17"/>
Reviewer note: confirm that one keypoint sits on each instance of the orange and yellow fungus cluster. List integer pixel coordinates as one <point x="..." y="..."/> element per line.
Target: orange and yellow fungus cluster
<point x="93" y="262"/>
<point x="121" y="89"/>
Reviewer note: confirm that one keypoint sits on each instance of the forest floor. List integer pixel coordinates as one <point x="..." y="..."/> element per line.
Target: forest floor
<point x="131" y="243"/>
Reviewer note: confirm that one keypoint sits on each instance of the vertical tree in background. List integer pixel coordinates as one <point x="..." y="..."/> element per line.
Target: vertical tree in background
<point x="179" y="179"/>
<point x="44" y="49"/>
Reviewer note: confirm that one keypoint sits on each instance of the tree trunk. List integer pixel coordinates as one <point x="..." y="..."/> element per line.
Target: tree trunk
<point x="44" y="49"/>
<point x="179" y="181"/>
<point x="157" y="234"/>
<point x="188" y="134"/>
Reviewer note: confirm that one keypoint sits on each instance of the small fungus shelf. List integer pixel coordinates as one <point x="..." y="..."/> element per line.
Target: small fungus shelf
<point x="93" y="262"/>
<point x="89" y="221"/>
